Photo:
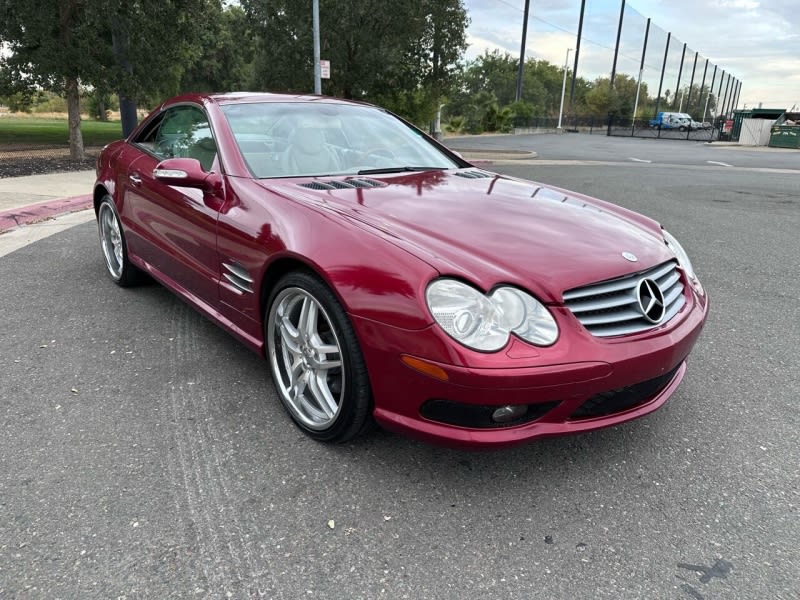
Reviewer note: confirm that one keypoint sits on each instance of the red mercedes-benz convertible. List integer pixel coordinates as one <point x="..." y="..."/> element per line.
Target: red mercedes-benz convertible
<point x="386" y="279"/>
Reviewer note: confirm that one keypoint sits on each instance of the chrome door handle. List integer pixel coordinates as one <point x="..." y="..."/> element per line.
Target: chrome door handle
<point x="135" y="179"/>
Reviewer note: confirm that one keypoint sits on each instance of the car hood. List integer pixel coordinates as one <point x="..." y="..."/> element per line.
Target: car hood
<point x="491" y="229"/>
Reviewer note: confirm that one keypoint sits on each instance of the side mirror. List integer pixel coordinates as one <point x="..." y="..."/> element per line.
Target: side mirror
<point x="186" y="172"/>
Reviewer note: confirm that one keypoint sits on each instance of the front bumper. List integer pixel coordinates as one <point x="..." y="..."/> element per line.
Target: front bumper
<point x="578" y="371"/>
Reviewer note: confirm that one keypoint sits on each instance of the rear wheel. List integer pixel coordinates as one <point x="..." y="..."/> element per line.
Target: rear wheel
<point x="112" y="242"/>
<point x="316" y="363"/>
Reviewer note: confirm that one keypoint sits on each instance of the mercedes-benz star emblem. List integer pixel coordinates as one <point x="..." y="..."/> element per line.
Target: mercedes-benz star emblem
<point x="629" y="256"/>
<point x="651" y="300"/>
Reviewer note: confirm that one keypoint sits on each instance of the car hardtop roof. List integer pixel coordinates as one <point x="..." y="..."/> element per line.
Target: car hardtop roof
<point x="227" y="98"/>
<point x="251" y="97"/>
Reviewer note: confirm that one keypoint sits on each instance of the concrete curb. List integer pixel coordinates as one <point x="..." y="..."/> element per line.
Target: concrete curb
<point x="42" y="211"/>
<point x="492" y="157"/>
<point x="488" y="154"/>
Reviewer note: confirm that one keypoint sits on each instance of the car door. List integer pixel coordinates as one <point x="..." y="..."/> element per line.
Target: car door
<point x="174" y="228"/>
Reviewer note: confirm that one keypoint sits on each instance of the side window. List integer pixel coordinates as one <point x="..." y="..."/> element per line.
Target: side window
<point x="181" y="132"/>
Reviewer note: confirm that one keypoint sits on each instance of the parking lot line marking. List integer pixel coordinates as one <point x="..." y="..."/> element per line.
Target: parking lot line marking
<point x="716" y="162"/>
<point x="639" y="160"/>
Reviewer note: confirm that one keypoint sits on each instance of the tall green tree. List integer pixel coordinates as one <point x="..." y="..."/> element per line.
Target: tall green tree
<point x="224" y="52"/>
<point x="496" y="72"/>
<point x="145" y="45"/>
<point x="137" y="48"/>
<point x="603" y="100"/>
<point x="400" y="54"/>
<point x="52" y="47"/>
<point x="431" y="60"/>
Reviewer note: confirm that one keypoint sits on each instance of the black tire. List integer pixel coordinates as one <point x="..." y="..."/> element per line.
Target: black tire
<point x="315" y="360"/>
<point x="113" y="246"/>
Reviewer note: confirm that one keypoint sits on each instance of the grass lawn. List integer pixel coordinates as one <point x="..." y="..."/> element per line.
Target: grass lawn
<point x="34" y="130"/>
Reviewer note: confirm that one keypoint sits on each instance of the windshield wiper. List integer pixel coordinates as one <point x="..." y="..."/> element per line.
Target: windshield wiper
<point x="405" y="169"/>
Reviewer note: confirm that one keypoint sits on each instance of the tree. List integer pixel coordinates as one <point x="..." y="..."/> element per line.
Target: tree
<point x="101" y="101"/>
<point x="435" y="55"/>
<point x="16" y="99"/>
<point x="496" y="72"/>
<point x="225" y="48"/>
<point x="695" y="103"/>
<point x="542" y="86"/>
<point x="51" y="45"/>
<point x="603" y="100"/>
<point x="59" y="45"/>
<point x="144" y="46"/>
<point x="399" y="54"/>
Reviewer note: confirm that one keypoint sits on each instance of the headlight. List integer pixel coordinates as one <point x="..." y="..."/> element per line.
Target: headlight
<point x="485" y="322"/>
<point x="680" y="253"/>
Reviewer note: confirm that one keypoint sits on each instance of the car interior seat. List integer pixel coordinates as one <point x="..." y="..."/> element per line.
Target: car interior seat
<point x="204" y="150"/>
<point x="309" y="154"/>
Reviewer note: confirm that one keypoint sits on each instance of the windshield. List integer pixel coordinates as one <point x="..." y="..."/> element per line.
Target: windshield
<point x="302" y="139"/>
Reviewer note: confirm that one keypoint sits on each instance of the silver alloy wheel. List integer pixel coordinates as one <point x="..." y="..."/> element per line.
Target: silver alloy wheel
<point x="306" y="358"/>
<point x="111" y="240"/>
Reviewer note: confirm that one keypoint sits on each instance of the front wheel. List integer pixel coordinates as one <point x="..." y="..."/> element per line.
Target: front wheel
<point x="316" y="363"/>
<point x="112" y="242"/>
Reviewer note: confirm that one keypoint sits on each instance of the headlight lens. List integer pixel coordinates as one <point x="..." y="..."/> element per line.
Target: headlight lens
<point x="680" y="253"/>
<point x="466" y="315"/>
<point x="485" y="322"/>
<point x="525" y="316"/>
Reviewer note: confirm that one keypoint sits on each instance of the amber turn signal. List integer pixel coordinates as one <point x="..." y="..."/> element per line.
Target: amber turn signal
<point x="425" y="367"/>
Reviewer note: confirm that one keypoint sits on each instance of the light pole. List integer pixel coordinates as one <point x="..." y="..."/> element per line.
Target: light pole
<point x="563" y="88"/>
<point x="315" y="25"/>
<point x="705" y="110"/>
<point x="521" y="69"/>
<point x="641" y="72"/>
<point x="636" y="102"/>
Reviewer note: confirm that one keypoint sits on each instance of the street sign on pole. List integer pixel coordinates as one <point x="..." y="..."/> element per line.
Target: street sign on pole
<point x="325" y="69"/>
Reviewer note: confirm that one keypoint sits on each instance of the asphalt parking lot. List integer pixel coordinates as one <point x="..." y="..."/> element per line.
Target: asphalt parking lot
<point x="145" y="454"/>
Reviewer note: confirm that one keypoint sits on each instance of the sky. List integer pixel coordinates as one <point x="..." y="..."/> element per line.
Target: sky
<point x="754" y="41"/>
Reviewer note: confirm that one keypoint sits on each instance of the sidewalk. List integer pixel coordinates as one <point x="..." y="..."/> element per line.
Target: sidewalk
<point x="35" y="198"/>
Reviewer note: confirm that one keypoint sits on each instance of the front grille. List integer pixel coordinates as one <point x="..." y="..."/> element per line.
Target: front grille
<point x="611" y="307"/>
<point x="616" y="401"/>
<point x="346" y="184"/>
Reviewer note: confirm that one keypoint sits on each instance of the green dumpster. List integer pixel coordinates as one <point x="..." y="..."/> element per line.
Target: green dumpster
<point x="786" y="131"/>
<point x="785" y="136"/>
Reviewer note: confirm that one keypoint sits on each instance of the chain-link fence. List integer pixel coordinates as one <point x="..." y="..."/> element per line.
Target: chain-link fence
<point x="620" y="62"/>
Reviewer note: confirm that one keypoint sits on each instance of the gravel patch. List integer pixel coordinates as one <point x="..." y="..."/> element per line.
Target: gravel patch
<point x="19" y="167"/>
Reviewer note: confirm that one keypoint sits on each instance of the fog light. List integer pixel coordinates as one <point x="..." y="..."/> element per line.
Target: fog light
<point x="512" y="412"/>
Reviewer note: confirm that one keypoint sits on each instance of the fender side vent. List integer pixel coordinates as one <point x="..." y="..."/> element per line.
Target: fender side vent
<point x="238" y="277"/>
